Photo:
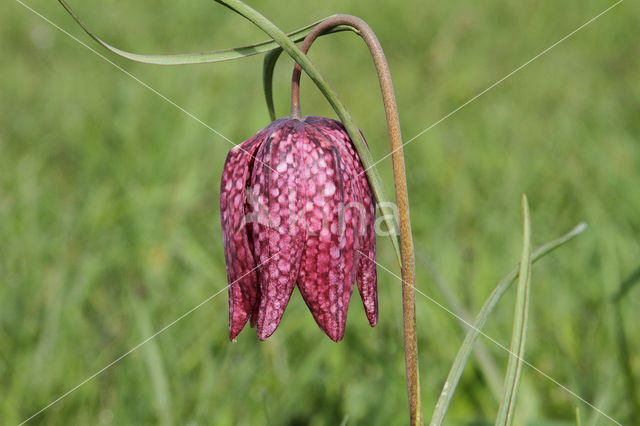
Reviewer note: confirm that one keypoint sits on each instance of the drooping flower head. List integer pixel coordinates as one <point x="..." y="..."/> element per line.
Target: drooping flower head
<point x="296" y="208"/>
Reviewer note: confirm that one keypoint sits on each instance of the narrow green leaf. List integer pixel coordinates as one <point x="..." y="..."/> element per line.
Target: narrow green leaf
<point x="365" y="156"/>
<point x="519" y="334"/>
<point x="481" y="319"/>
<point x="578" y="421"/>
<point x="268" y="65"/>
<point x="193" y="57"/>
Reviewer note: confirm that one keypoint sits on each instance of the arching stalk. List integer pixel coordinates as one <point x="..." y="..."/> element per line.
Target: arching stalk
<point x="400" y="179"/>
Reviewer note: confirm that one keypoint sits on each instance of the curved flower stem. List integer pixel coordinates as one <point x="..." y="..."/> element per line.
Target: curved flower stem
<point x="400" y="178"/>
<point x="269" y="63"/>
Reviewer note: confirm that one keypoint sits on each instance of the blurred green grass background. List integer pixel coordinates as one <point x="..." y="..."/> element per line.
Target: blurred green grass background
<point x="109" y="217"/>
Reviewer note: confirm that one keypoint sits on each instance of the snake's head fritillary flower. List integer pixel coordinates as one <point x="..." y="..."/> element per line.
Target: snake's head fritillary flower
<point x="297" y="208"/>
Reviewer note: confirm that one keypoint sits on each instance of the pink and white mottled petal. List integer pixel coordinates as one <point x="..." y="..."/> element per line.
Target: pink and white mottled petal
<point x="277" y="233"/>
<point x="367" y="274"/>
<point x="329" y="262"/>
<point x="241" y="274"/>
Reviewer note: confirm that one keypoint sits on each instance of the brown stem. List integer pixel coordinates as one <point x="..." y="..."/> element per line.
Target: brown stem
<point x="402" y="198"/>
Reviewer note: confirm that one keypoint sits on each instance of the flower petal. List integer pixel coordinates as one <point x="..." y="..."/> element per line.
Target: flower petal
<point x="277" y="233"/>
<point x="366" y="275"/>
<point x="329" y="261"/>
<point x="241" y="274"/>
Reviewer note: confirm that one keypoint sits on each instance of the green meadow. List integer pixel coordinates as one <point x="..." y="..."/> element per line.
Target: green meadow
<point x="110" y="220"/>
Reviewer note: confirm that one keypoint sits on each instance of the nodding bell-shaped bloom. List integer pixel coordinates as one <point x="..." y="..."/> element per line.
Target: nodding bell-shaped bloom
<point x="297" y="208"/>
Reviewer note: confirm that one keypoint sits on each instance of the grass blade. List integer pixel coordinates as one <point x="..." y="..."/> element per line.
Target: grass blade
<point x="578" y="421"/>
<point x="193" y="57"/>
<point x="478" y="324"/>
<point x="519" y="334"/>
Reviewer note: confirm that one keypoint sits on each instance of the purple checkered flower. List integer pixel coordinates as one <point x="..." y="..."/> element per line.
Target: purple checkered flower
<point x="297" y="208"/>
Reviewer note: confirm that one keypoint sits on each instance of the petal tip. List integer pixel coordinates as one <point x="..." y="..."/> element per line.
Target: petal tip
<point x="373" y="319"/>
<point x="236" y="327"/>
<point x="265" y="333"/>
<point x="336" y="337"/>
